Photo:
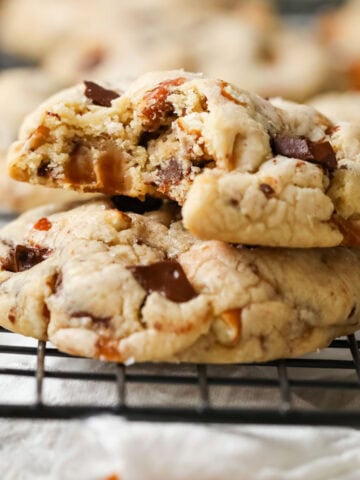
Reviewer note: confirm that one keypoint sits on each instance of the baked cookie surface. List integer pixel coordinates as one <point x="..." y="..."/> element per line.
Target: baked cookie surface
<point x="124" y="286"/>
<point x="339" y="106"/>
<point x="266" y="169"/>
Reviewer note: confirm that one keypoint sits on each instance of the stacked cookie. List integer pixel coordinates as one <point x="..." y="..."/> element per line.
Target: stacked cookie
<point x="177" y="262"/>
<point x="21" y="90"/>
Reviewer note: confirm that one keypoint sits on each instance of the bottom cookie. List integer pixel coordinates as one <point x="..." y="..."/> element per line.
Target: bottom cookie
<point x="134" y="286"/>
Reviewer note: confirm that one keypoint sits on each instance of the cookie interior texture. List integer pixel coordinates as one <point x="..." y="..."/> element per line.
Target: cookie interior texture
<point x="125" y="286"/>
<point x="246" y="170"/>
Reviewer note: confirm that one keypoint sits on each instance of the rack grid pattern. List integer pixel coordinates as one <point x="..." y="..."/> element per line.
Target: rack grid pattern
<point x="204" y="411"/>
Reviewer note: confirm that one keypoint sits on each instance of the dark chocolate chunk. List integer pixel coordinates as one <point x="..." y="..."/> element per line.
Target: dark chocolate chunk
<point x="321" y="153"/>
<point x="99" y="95"/>
<point x="167" y="278"/>
<point x="44" y="169"/>
<point x="267" y="190"/>
<point x="22" y="258"/>
<point x="170" y="174"/>
<point x="129" y="204"/>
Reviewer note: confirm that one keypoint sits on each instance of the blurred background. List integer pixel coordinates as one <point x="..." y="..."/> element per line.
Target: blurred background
<point x="303" y="50"/>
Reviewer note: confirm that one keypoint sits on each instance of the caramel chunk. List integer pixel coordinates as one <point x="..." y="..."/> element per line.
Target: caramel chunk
<point x="80" y="168"/>
<point x="23" y="258"/>
<point x="350" y="231"/>
<point x="43" y="224"/>
<point x="156" y="107"/>
<point x="107" y="349"/>
<point x="129" y="204"/>
<point x="99" y="95"/>
<point x="227" y="327"/>
<point x="167" y="277"/>
<point x="320" y="153"/>
<point x="39" y="137"/>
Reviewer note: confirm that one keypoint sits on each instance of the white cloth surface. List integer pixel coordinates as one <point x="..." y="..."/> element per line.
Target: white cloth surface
<point x="96" y="448"/>
<point x="102" y="446"/>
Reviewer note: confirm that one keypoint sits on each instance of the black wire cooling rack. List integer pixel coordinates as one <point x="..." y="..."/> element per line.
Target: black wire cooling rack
<point x="204" y="380"/>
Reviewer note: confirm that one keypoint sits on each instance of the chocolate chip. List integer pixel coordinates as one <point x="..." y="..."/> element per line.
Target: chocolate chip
<point x="170" y="174"/>
<point x="267" y="190"/>
<point x="167" y="278"/>
<point x="146" y="137"/>
<point x="22" y="258"/>
<point x="321" y="153"/>
<point x="44" y="169"/>
<point x="129" y="204"/>
<point x="99" y="95"/>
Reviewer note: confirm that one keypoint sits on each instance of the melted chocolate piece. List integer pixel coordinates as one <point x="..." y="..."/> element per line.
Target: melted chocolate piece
<point x="267" y="190"/>
<point x="167" y="278"/>
<point x="22" y="258"/>
<point x="171" y="174"/>
<point x="99" y="95"/>
<point x="44" y="169"/>
<point x="320" y="153"/>
<point x="129" y="204"/>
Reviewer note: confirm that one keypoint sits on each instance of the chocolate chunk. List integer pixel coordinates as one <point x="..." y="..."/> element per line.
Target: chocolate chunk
<point x="44" y="169"/>
<point x="22" y="258"/>
<point x="167" y="278"/>
<point x="171" y="174"/>
<point x="267" y="190"/>
<point x="129" y="204"/>
<point x="321" y="153"/>
<point x="99" y="95"/>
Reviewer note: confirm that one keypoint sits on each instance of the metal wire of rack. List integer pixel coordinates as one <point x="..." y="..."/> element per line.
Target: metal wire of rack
<point x="204" y="382"/>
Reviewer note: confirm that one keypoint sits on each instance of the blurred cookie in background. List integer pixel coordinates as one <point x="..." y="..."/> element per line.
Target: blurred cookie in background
<point x="21" y="90"/>
<point x="31" y="28"/>
<point x="339" y="30"/>
<point x="246" y="44"/>
<point x="339" y="106"/>
<point x="273" y="61"/>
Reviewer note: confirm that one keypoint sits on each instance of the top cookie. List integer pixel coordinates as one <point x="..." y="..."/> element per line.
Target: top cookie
<point x="246" y="170"/>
